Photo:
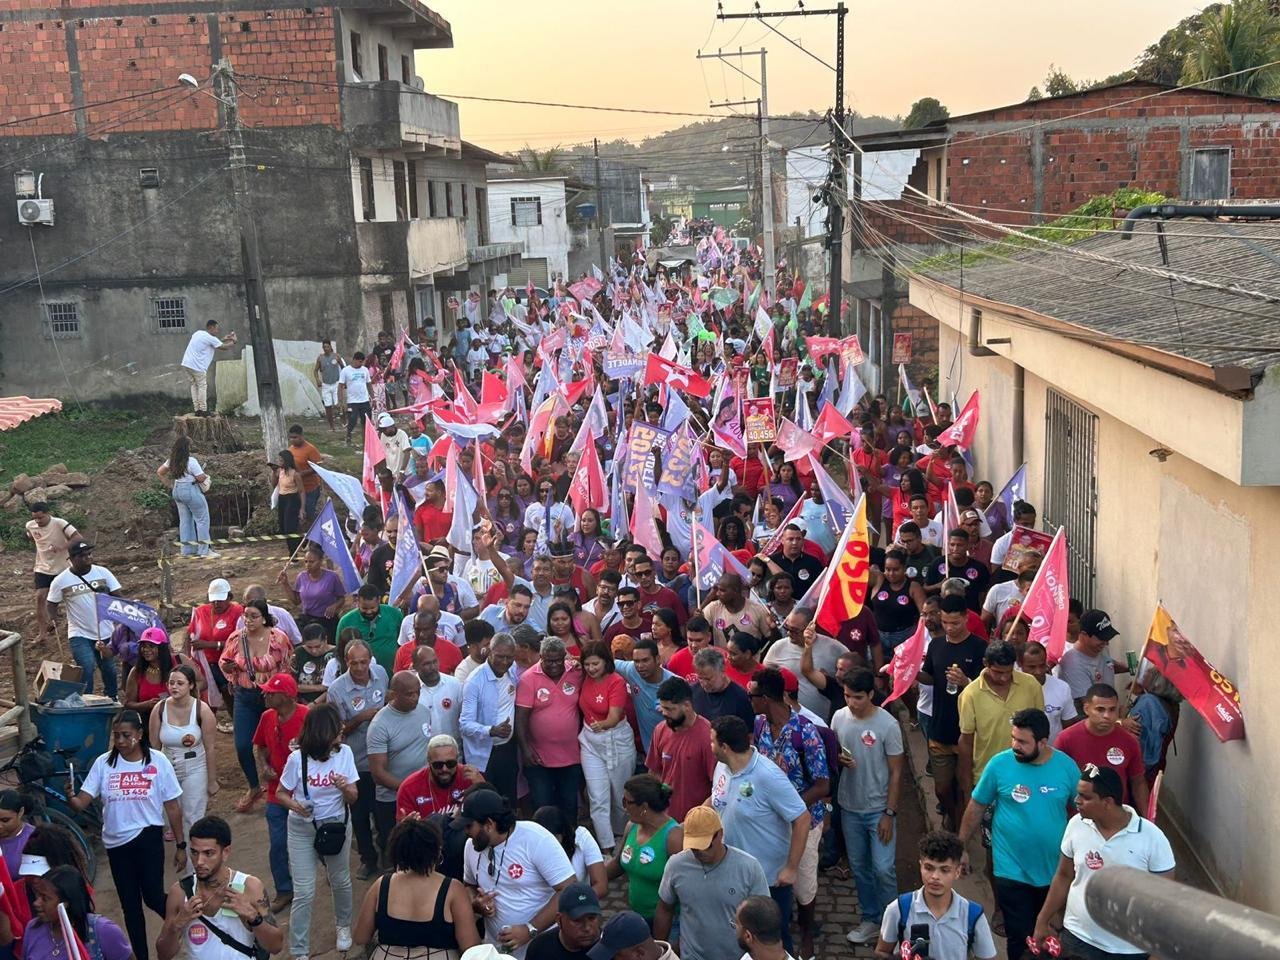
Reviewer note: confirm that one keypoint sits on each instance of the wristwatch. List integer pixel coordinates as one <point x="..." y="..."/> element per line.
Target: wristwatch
<point x="890" y="813"/>
<point x="256" y="921"/>
<point x="533" y="931"/>
<point x="181" y="845"/>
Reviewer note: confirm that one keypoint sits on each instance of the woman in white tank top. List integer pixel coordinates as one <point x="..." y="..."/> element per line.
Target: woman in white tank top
<point x="184" y="728"/>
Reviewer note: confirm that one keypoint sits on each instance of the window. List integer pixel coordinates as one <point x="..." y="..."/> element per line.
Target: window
<point x="462" y="192"/>
<point x="1071" y="486"/>
<point x="413" y="190"/>
<point x="357" y="62"/>
<point x="526" y="211"/>
<point x="448" y="199"/>
<point x="367" y="205"/>
<point x="402" y="193"/>
<point x="384" y="67"/>
<point x="1210" y="174"/>
<point x="62" y="320"/>
<point x="482" y="215"/>
<point x="431" y="198"/>
<point x="406" y="71"/>
<point x="169" y="314"/>
<point x="386" y="306"/>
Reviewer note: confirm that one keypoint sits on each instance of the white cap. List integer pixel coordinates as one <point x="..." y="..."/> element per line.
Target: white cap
<point x="482" y="951"/>
<point x="219" y="589"/>
<point x="33" y="866"/>
<point x="386" y="420"/>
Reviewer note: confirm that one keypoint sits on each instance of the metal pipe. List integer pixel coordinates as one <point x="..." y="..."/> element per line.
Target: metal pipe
<point x="1173" y="921"/>
<point x="1205" y="211"/>
<point x="976" y="349"/>
<point x="1019" y="412"/>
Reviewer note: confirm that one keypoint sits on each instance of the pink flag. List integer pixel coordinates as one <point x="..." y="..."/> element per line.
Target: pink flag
<point x="1045" y="606"/>
<point x="830" y="425"/>
<point x="731" y="441"/>
<point x="961" y="432"/>
<point x="463" y="401"/>
<point x="952" y="519"/>
<point x="795" y="443"/>
<point x="908" y="657"/>
<point x="775" y="541"/>
<point x="374" y="454"/>
<point x="397" y="355"/>
<point x="644" y="526"/>
<point x="587" y="488"/>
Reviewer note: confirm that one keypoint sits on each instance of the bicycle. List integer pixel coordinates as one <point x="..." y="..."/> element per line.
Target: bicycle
<point x="35" y="768"/>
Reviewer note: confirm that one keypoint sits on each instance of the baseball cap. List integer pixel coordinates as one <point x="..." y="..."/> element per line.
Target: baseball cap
<point x="700" y="825"/>
<point x="386" y="420"/>
<point x="578" y="900"/>
<point x="481" y="805"/>
<point x="154" y="635"/>
<point x="621" y="932"/>
<point x="281" y="683"/>
<point x="1097" y="623"/>
<point x="483" y="951"/>
<point x="79" y="546"/>
<point x="790" y="682"/>
<point x="219" y="589"/>
<point x="33" y="865"/>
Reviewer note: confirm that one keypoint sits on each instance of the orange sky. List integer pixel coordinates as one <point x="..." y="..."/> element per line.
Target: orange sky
<point x="641" y="54"/>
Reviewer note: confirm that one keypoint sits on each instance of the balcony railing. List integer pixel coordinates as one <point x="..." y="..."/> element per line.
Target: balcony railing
<point x="390" y="116"/>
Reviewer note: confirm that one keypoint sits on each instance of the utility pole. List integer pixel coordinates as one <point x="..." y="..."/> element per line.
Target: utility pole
<point x="600" y="221"/>
<point x="766" y="178"/>
<point x="835" y="185"/>
<point x="264" y="354"/>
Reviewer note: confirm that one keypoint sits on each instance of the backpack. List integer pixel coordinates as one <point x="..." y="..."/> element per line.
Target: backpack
<point x="904" y="911"/>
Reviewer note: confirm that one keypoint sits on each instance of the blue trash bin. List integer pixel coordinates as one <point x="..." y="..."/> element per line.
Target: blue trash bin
<point x="88" y="728"/>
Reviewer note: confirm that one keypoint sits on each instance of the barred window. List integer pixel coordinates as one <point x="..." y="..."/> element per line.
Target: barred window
<point x="169" y="313"/>
<point x="62" y="320"/>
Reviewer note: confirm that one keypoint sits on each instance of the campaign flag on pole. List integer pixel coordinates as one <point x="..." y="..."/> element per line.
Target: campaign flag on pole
<point x="585" y="289"/>
<point x="345" y="487"/>
<point x="1045" y="605"/>
<point x="820" y="347"/>
<point x="1214" y="697"/>
<point x="952" y="508"/>
<point x="831" y="425"/>
<point x="658" y="370"/>
<point x="764" y="324"/>
<point x="464" y="503"/>
<point x="794" y="442"/>
<point x="804" y="415"/>
<point x="907" y="660"/>
<point x="407" y="563"/>
<point x="75" y="946"/>
<point x="1015" y="489"/>
<point x="961" y="432"/>
<point x="776" y="540"/>
<point x="587" y="488"/>
<point x="679" y="457"/>
<point x="676" y="412"/>
<point x="594" y="423"/>
<point x="911" y="402"/>
<point x="839" y="507"/>
<point x="845" y="590"/>
<point x="851" y="391"/>
<point x="644" y="526"/>
<point x="714" y="559"/>
<point x="374" y="454"/>
<point x="327" y="532"/>
<point x="134" y="614"/>
<point x="642" y="440"/>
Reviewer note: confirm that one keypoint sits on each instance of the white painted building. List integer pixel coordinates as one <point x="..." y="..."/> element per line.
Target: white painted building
<point x="530" y="210"/>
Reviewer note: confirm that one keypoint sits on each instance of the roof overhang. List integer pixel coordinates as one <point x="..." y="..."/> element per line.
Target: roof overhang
<point x="409" y="19"/>
<point x="921" y="139"/>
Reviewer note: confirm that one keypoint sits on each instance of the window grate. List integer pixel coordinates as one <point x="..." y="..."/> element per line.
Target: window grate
<point x="62" y="320"/>
<point x="1071" y="487"/>
<point x="169" y="313"/>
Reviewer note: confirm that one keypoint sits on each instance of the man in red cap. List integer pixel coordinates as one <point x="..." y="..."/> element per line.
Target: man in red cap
<point x="275" y="737"/>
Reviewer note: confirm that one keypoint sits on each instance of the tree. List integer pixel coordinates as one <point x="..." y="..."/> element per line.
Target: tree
<point x="925" y="111"/>
<point x="1034" y="95"/>
<point x="1231" y="42"/>
<point x="1162" y="61"/>
<point x="1058" y="84"/>
<point x="544" y="161"/>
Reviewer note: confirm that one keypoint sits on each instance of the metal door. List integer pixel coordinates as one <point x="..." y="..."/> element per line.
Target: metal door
<point x="1071" y="486"/>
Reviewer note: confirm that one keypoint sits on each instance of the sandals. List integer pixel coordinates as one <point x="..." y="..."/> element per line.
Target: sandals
<point x="249" y="799"/>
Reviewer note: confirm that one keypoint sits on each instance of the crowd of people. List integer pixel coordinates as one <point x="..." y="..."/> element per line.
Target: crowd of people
<point x="573" y="690"/>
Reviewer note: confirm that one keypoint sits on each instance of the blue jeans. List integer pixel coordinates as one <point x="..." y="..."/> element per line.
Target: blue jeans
<point x="278" y="856"/>
<point x="870" y="862"/>
<point x="193" y="518"/>
<point x="85" y="653"/>
<point x="310" y="500"/>
<point x="246" y="710"/>
<point x="889" y="639"/>
<point x="784" y="897"/>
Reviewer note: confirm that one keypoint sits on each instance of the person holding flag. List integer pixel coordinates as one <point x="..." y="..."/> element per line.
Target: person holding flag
<point x="63" y="922"/>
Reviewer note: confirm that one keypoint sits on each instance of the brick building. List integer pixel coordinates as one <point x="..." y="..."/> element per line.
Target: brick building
<point x="369" y="205"/>
<point x="1034" y="161"/>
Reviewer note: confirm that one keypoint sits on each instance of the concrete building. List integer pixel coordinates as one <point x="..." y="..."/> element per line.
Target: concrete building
<point x="531" y="210"/>
<point x="1147" y="413"/>
<point x="364" y="193"/>
<point x="726" y="205"/>
<point x="1030" y="162"/>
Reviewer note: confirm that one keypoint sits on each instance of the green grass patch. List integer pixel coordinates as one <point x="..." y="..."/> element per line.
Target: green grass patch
<point x="1096" y="216"/>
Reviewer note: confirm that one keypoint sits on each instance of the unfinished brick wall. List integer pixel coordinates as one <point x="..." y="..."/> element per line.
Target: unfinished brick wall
<point x="924" y="341"/>
<point x="121" y="55"/>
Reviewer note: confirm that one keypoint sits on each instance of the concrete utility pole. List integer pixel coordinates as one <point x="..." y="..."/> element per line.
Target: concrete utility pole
<point x="600" y="220"/>
<point x="766" y="177"/>
<point x="264" y="354"/>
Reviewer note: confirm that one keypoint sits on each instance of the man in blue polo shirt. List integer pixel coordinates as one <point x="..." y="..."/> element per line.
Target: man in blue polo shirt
<point x="644" y="675"/>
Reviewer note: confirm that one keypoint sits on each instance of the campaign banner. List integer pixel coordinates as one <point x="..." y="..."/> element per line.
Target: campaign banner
<point x="1023" y="541"/>
<point x="134" y="614"/>
<point x="644" y="443"/>
<point x="758" y="417"/>
<point x="1214" y="697"/>
<point x="851" y="351"/>
<point x="679" y="458"/>
<point x="788" y="372"/>
<point x="901" y="348"/>
<point x="619" y="364"/>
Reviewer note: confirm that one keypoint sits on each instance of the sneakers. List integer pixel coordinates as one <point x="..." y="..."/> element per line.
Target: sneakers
<point x="867" y="932"/>
<point x="344" y="939"/>
<point x="225" y="725"/>
<point x="213" y="555"/>
<point x="281" y="901"/>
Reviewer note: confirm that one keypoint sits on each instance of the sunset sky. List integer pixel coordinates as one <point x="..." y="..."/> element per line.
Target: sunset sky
<point x="605" y="52"/>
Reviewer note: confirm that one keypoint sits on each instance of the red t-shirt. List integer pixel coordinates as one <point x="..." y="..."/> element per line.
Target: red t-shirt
<point x="663" y="598"/>
<point x="278" y="740"/>
<point x="419" y="793"/>
<point x="621" y="629"/>
<point x="750" y="474"/>
<point x="431" y="522"/>
<point x="577" y="582"/>
<point x="1119" y="751"/>
<point x="209" y="626"/>
<point x="681" y="664"/>
<point x="683" y="759"/>
<point x="598" y="697"/>
<point x="448" y="652"/>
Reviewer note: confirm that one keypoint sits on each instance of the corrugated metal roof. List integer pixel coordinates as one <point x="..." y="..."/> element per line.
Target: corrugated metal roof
<point x="1217" y="327"/>
<point x="16" y="410"/>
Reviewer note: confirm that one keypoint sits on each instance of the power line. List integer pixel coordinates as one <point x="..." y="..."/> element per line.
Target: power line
<point x="88" y="106"/>
<point x="805" y="50"/>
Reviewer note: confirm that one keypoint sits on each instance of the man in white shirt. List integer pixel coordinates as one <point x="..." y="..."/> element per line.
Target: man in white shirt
<point x="1058" y="703"/>
<point x="197" y="360"/>
<point x="1024" y="515"/>
<point x="88" y="635"/>
<point x="353" y="391"/>
<point x="395" y="444"/>
<point x="441" y="696"/>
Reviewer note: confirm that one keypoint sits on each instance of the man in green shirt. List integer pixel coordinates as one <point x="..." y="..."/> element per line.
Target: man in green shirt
<point x="377" y="623"/>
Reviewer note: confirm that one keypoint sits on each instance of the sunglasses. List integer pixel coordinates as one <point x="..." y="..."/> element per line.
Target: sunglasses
<point x="626" y="603"/>
<point x="443" y="764"/>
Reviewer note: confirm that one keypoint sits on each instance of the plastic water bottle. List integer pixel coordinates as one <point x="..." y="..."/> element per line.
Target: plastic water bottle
<point x="952" y="687"/>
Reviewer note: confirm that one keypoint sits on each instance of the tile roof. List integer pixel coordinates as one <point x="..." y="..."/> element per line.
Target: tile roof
<point x="16" y="410"/>
<point x="1216" y="327"/>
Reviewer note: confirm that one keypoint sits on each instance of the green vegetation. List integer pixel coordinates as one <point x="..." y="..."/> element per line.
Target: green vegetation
<point x="154" y="497"/>
<point x="925" y="111"/>
<point x="1099" y="214"/>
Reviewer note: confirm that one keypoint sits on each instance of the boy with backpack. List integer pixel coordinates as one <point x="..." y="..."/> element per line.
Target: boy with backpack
<point x="935" y="921"/>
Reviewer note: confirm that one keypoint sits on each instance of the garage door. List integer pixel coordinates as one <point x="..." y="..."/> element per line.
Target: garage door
<point x="531" y="268"/>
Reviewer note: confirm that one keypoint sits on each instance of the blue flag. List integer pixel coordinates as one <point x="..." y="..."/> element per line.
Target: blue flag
<point x="1015" y="489"/>
<point x="408" y="559"/>
<point x="134" y="614"/>
<point x="327" y="532"/>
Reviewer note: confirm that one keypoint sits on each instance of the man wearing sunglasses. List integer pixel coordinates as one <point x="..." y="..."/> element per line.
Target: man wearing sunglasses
<point x="439" y="786"/>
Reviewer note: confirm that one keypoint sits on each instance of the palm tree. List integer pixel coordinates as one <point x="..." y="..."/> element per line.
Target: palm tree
<point x="1238" y="37"/>
<point x="544" y="161"/>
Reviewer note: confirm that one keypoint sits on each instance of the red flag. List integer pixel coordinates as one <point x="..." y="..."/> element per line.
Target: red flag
<point x="1214" y="697"/>
<point x="845" y="591"/>
<point x="572" y="392"/>
<point x="772" y="545"/>
<point x="397" y="355"/>
<point x="75" y="946"/>
<point x="1045" y="606"/>
<point x="961" y="432"/>
<point x="831" y="425"/>
<point x="952" y="509"/>
<point x="768" y="347"/>
<point x="907" y="660"/>
<point x="658" y="370"/>
<point x="795" y="443"/>
<point x="539" y="427"/>
<point x="374" y="454"/>
<point x="463" y="401"/>
<point x="820" y="347"/>
<point x="587" y="488"/>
